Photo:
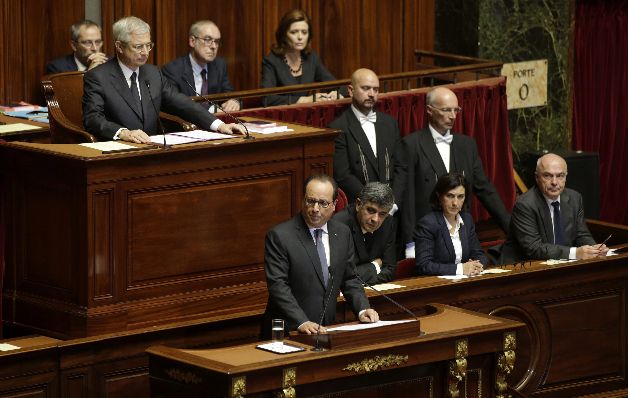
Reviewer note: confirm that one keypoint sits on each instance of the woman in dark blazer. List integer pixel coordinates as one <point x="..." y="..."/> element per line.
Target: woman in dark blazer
<point x="446" y="243"/>
<point x="291" y="61"/>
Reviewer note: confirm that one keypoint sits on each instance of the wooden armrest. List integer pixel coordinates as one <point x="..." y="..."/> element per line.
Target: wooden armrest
<point x="175" y="123"/>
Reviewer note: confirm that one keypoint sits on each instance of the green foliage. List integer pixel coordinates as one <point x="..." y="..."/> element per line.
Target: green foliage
<point x="515" y="31"/>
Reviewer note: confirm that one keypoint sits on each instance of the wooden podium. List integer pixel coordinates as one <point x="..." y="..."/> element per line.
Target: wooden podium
<point x="461" y="354"/>
<point x="99" y="243"/>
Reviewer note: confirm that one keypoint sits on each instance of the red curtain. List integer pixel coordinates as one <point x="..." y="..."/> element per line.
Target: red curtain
<point x="600" y="106"/>
<point x="484" y="117"/>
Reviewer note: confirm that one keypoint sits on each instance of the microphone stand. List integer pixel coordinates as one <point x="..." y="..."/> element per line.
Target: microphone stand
<point x="248" y="136"/>
<point x="161" y="127"/>
<point x="330" y="283"/>
<point x="405" y="309"/>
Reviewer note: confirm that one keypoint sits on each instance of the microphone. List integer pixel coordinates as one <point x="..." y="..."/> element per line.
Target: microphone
<point x="357" y="275"/>
<point x="330" y="283"/>
<point x="247" y="136"/>
<point x="161" y="127"/>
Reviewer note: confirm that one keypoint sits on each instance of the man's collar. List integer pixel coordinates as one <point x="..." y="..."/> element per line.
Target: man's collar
<point x="196" y="67"/>
<point x="126" y="71"/>
<point x="436" y="133"/>
<point x="359" y="114"/>
<point x="80" y="65"/>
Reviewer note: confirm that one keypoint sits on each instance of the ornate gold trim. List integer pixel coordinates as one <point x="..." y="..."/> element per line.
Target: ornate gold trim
<point x="376" y="363"/>
<point x="238" y="387"/>
<point x="182" y="376"/>
<point x="505" y="364"/>
<point x="457" y="368"/>
<point x="288" y="383"/>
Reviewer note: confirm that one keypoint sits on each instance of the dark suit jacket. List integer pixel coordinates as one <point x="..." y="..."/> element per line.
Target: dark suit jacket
<point x="62" y="64"/>
<point x="418" y="166"/>
<point x="181" y="68"/>
<point x="435" y="254"/>
<point x="348" y="170"/>
<point x="108" y="103"/>
<point x="276" y="73"/>
<point x="383" y="247"/>
<point x="531" y="235"/>
<point x="296" y="291"/>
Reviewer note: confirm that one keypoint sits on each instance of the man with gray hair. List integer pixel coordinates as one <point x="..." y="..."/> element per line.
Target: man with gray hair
<point x="201" y="71"/>
<point x="86" y="43"/>
<point x="123" y="97"/>
<point x="548" y="220"/>
<point x="373" y="232"/>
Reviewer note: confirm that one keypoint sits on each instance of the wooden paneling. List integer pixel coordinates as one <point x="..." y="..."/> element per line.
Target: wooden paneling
<point x="348" y="34"/>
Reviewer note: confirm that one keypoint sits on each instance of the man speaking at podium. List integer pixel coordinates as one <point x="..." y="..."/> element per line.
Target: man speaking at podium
<point x="122" y="98"/>
<point x="308" y="260"/>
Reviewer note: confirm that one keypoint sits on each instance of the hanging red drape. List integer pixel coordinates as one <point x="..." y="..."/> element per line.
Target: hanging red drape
<point x="484" y="117"/>
<point x="600" y="106"/>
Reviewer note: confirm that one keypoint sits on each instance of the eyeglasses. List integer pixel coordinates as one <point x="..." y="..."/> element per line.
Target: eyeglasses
<point x="309" y="202"/>
<point x="549" y="176"/>
<point x="447" y="110"/>
<point x="90" y="43"/>
<point x="208" y="41"/>
<point x="138" y="48"/>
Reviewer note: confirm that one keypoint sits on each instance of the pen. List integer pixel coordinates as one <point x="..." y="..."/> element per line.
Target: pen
<point x="605" y="240"/>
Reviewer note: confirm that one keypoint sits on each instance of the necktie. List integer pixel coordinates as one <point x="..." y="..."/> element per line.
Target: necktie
<point x="371" y="117"/>
<point x="444" y="138"/>
<point x="320" y="248"/>
<point x="559" y="236"/>
<point x="368" y="241"/>
<point x="204" y="90"/>
<point x="135" y="93"/>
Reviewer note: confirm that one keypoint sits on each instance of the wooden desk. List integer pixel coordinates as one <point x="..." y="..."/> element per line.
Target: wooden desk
<point x="39" y="133"/>
<point x="576" y="317"/>
<point x="456" y="343"/>
<point x="99" y="243"/>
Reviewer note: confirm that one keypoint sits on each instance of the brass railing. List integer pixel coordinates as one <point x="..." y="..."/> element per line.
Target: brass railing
<point x="429" y="72"/>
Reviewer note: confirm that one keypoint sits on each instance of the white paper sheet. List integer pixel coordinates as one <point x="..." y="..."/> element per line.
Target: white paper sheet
<point x="385" y="286"/>
<point x="8" y="347"/>
<point x="106" y="146"/>
<point x="362" y="326"/>
<point x="279" y="348"/>
<point x="13" y="127"/>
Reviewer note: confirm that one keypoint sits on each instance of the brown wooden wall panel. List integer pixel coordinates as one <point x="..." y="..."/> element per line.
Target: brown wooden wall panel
<point x="348" y="34"/>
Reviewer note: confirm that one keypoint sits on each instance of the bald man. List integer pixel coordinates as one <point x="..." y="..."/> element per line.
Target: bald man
<point x="367" y="141"/>
<point x="548" y="220"/>
<point x="186" y="72"/>
<point x="431" y="152"/>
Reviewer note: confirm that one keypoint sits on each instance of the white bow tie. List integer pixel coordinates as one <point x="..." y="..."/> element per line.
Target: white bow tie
<point x="444" y="138"/>
<point x="371" y="117"/>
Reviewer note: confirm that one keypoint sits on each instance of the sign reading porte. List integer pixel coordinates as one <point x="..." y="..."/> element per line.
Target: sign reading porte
<point x="526" y="83"/>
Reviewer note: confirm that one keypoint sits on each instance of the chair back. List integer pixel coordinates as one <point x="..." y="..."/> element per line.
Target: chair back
<point x="341" y="201"/>
<point x="64" y="94"/>
<point x="405" y="268"/>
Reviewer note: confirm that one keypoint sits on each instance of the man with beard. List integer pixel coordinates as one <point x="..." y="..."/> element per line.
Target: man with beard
<point x="366" y="145"/>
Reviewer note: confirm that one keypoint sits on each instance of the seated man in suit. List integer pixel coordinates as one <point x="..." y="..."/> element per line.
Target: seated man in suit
<point x="201" y="71"/>
<point x="86" y="43"/>
<point x="373" y="232"/>
<point x="367" y="141"/>
<point x="427" y="154"/>
<point x="123" y="97"/>
<point x="548" y="220"/>
<point x="308" y="260"/>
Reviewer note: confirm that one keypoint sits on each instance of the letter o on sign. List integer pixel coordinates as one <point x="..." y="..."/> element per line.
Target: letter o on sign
<point x="524" y="91"/>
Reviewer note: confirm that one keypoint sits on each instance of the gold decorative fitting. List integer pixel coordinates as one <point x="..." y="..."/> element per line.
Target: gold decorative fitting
<point x="288" y="383"/>
<point x="462" y="348"/>
<point x="376" y="363"/>
<point x="457" y="368"/>
<point x="238" y="387"/>
<point x="510" y="341"/>
<point x="182" y="376"/>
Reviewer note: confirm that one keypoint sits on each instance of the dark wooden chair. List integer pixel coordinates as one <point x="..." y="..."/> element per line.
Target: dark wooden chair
<point x="405" y="268"/>
<point x="64" y="94"/>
